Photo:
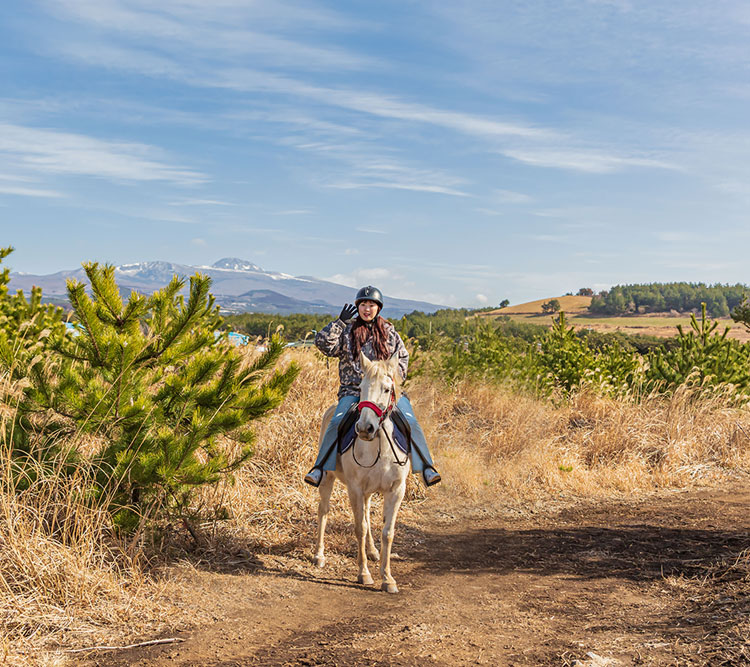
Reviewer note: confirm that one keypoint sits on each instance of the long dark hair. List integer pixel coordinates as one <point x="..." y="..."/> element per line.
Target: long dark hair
<point x="362" y="332"/>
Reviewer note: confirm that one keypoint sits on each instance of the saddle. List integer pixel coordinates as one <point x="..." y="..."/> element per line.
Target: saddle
<point x="347" y="435"/>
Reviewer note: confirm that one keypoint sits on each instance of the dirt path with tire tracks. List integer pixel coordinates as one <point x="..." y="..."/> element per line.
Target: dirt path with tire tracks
<point x="661" y="580"/>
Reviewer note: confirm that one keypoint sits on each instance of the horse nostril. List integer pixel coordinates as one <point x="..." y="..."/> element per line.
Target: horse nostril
<point x="370" y="428"/>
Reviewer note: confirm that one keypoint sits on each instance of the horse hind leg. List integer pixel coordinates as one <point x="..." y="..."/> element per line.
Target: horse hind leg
<point x="391" y="505"/>
<point x="372" y="550"/>
<point x="326" y="486"/>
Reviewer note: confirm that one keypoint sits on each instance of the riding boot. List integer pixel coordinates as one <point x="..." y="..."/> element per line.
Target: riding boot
<point x="421" y="461"/>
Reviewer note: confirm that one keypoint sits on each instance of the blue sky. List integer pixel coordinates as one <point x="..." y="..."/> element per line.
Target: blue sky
<point x="457" y="152"/>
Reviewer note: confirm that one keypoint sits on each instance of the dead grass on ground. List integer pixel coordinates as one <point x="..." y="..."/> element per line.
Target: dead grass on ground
<point x="717" y="598"/>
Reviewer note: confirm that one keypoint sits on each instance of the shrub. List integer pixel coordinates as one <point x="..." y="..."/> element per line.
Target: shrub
<point x="148" y="383"/>
<point x="703" y="356"/>
<point x="25" y="325"/>
<point x="570" y="362"/>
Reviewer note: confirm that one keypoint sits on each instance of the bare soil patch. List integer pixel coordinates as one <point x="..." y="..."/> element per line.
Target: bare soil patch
<point x="661" y="579"/>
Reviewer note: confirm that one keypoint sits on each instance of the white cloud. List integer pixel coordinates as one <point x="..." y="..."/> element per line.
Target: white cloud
<point x="231" y="30"/>
<point x="200" y="202"/>
<point x="373" y="104"/>
<point x="29" y="192"/>
<point x="481" y="298"/>
<point x="366" y="276"/>
<point x="675" y="236"/>
<point x="510" y="197"/>
<point x="198" y="242"/>
<point x="52" y="151"/>
<point x="437" y="189"/>
<point x="369" y="230"/>
<point x="591" y="161"/>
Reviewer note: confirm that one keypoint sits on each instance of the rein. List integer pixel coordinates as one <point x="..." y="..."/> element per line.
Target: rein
<point x="382" y="415"/>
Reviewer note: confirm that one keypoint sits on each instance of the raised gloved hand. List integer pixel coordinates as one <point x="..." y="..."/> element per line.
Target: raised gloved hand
<point x="347" y="312"/>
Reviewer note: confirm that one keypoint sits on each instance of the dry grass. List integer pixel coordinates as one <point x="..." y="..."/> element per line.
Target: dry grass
<point x="491" y="446"/>
<point x="65" y="583"/>
<point x="491" y="441"/>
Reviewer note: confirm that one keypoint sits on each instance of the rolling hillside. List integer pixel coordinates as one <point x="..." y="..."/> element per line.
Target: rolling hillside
<point x="575" y="308"/>
<point x="570" y="304"/>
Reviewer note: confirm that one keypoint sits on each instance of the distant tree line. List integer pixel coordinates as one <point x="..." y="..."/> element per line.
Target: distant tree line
<point x="294" y="327"/>
<point x="720" y="300"/>
<point x="433" y="330"/>
<point x="416" y="325"/>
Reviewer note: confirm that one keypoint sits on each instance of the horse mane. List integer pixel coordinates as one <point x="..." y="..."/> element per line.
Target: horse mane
<point x="378" y="372"/>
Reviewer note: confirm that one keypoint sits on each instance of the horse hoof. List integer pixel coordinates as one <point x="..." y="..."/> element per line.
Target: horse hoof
<point x="374" y="556"/>
<point x="319" y="561"/>
<point x="365" y="579"/>
<point x="389" y="587"/>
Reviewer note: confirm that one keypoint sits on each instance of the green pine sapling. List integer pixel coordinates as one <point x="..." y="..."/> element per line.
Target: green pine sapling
<point x="169" y="404"/>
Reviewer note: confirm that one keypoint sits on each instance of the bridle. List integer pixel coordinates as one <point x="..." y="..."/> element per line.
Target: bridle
<point x="382" y="414"/>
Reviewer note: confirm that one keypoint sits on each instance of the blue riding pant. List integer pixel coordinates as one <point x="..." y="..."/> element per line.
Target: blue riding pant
<point x="327" y="452"/>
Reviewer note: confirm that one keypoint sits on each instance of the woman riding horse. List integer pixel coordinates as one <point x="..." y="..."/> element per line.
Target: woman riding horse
<point x="377" y="338"/>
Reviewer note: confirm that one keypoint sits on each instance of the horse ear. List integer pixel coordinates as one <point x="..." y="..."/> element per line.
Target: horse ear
<point x="364" y="361"/>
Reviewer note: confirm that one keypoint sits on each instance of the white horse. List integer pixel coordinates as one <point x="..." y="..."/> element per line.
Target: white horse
<point x="372" y="464"/>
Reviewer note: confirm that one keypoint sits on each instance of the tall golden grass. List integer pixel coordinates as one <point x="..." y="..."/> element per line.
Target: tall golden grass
<point x="493" y="445"/>
<point x="65" y="581"/>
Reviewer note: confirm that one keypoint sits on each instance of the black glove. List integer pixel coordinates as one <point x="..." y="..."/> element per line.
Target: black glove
<point x="347" y="312"/>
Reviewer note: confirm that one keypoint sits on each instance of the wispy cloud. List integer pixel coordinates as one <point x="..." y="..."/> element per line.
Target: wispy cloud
<point x="375" y="104"/>
<point x="363" y="276"/>
<point x="200" y="202"/>
<point x="393" y="185"/>
<point x="370" y="230"/>
<point x="180" y="27"/>
<point x="56" y="152"/>
<point x="28" y="192"/>
<point x="510" y="197"/>
<point x="591" y="161"/>
<point x="228" y="29"/>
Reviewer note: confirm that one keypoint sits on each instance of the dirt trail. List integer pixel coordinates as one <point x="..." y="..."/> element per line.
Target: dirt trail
<point x="596" y="583"/>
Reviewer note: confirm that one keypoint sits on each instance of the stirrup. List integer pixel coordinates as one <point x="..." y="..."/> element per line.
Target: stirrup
<point x="314" y="477"/>
<point x="430" y="476"/>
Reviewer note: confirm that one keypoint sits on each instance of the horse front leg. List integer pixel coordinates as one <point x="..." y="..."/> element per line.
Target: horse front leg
<point x="372" y="550"/>
<point x="391" y="505"/>
<point x="358" y="503"/>
<point x="324" y="504"/>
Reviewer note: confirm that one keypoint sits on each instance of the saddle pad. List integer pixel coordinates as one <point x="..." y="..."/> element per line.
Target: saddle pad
<point x="346" y="440"/>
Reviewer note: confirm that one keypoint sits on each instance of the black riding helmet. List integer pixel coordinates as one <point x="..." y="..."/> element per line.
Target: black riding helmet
<point x="369" y="293"/>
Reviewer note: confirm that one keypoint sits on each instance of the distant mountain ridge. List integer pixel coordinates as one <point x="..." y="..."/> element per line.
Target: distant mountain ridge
<point x="239" y="286"/>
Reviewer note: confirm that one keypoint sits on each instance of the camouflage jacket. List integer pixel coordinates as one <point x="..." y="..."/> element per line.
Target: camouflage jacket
<point x="334" y="340"/>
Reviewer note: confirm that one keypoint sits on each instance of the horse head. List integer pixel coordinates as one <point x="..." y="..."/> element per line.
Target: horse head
<point x="377" y="394"/>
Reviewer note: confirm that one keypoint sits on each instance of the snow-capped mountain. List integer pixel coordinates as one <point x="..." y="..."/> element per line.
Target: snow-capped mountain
<point x="238" y="285"/>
